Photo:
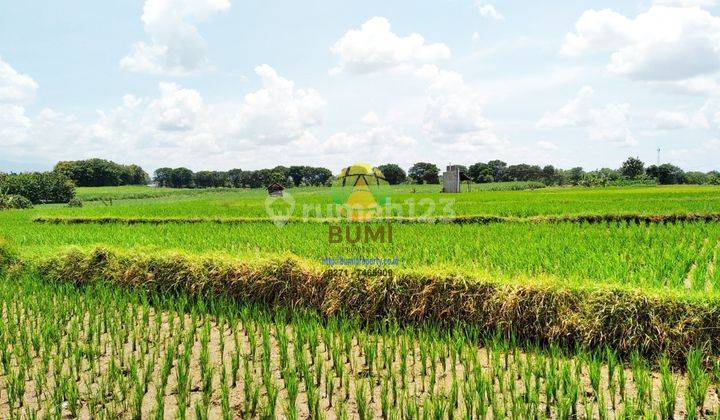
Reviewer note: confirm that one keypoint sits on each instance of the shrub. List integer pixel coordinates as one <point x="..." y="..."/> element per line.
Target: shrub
<point x="12" y="201"/>
<point x="39" y="187"/>
<point x="75" y="202"/>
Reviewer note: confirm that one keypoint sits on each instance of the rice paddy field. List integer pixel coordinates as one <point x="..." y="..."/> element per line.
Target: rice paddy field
<point x="551" y="302"/>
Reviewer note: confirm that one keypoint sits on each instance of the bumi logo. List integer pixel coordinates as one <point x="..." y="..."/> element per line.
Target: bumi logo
<point x="360" y="190"/>
<point x="360" y="233"/>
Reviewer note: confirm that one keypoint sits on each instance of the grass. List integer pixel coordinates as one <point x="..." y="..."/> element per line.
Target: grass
<point x="548" y="201"/>
<point x="134" y="192"/>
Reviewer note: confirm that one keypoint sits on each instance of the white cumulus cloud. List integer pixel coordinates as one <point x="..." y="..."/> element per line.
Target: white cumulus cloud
<point x="374" y="47"/>
<point x="15" y="87"/>
<point x="570" y="114"/>
<point x="671" y="120"/>
<point x="610" y="123"/>
<point x="176" y="46"/>
<point x="454" y="115"/>
<point x="663" y="43"/>
<point x="278" y="112"/>
<point x="176" y="109"/>
<point x="174" y="127"/>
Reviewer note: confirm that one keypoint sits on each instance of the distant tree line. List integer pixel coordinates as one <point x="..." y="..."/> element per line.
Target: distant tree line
<point x="101" y="173"/>
<point x="632" y="171"/>
<point x="293" y="176"/>
<point x="58" y="186"/>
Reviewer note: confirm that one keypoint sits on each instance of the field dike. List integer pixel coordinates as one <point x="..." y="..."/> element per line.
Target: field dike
<point x="465" y="219"/>
<point x="593" y="318"/>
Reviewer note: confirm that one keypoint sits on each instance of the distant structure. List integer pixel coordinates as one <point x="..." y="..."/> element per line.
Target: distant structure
<point x="275" y="190"/>
<point x="452" y="179"/>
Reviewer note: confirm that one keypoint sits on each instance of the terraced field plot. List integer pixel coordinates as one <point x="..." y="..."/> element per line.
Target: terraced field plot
<point x="546" y="201"/>
<point x="642" y="294"/>
<point x="159" y="356"/>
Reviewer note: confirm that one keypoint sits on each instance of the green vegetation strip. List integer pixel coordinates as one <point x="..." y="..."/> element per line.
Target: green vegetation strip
<point x="468" y="219"/>
<point x="626" y="320"/>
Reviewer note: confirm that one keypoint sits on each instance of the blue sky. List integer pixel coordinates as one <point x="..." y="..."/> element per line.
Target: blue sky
<point x="219" y="84"/>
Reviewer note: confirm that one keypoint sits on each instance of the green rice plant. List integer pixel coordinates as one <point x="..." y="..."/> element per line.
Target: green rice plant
<point x="697" y="378"/>
<point x="329" y="386"/>
<point x="251" y="392"/>
<point x="643" y="381"/>
<point x="622" y="383"/>
<point x="384" y="400"/>
<point x="612" y="365"/>
<point x="716" y="374"/>
<point x="201" y="410"/>
<point x="159" y="409"/>
<point x="668" y="390"/>
<point x="271" y="393"/>
<point x="138" y="394"/>
<point x="363" y="408"/>
<point x="341" y="411"/>
<point x="690" y="405"/>
<point x="182" y="395"/>
<point x="594" y="374"/>
<point x="291" y="386"/>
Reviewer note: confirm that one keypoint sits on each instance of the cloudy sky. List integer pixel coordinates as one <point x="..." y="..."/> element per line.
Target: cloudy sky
<point x="220" y="84"/>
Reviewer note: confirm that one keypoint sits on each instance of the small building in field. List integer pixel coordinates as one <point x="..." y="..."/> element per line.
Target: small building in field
<point x="275" y="190"/>
<point x="452" y="179"/>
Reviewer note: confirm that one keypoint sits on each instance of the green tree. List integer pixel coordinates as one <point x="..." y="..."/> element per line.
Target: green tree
<point x="137" y="176"/>
<point x="575" y="175"/>
<point x="498" y="168"/>
<point x="317" y="176"/>
<point x="696" y="178"/>
<point x="481" y="173"/>
<point x="101" y="172"/>
<point x="39" y="187"/>
<point x="632" y="168"/>
<point x="524" y="172"/>
<point x="181" y="178"/>
<point x="666" y="174"/>
<point x="424" y="173"/>
<point x="549" y="175"/>
<point x="713" y="178"/>
<point x="297" y="173"/>
<point x="162" y="177"/>
<point x="235" y="178"/>
<point x="393" y="173"/>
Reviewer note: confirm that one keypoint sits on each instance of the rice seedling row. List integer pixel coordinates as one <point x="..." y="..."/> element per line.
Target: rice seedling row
<point x="104" y="352"/>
